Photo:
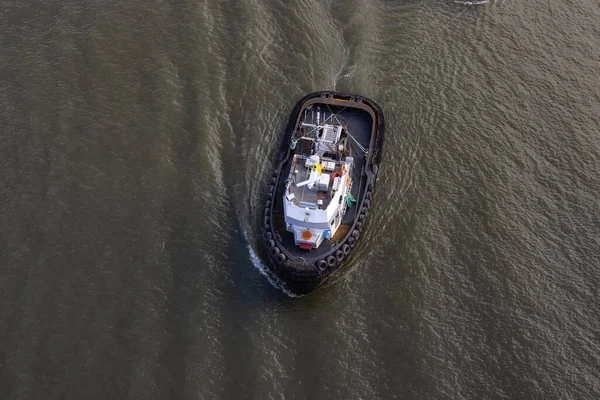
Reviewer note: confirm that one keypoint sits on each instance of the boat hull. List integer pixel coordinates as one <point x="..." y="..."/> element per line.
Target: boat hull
<point x="301" y="271"/>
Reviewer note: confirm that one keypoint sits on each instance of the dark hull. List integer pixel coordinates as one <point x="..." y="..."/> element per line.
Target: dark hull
<point x="303" y="271"/>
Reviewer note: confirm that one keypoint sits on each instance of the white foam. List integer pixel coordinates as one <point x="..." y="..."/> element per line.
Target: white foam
<point x="264" y="270"/>
<point x="471" y="3"/>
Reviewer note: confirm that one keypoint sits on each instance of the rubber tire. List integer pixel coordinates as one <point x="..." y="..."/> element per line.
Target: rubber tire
<point x="368" y="195"/>
<point x="351" y="241"/>
<point x="321" y="265"/>
<point x="355" y="233"/>
<point x="275" y="250"/>
<point x="361" y="217"/>
<point x="358" y="225"/>
<point x="346" y="249"/>
<point x="271" y="243"/>
<point x="367" y="203"/>
<point x="331" y="261"/>
<point x="280" y="259"/>
<point x="364" y="211"/>
<point x="269" y="236"/>
<point x="339" y="255"/>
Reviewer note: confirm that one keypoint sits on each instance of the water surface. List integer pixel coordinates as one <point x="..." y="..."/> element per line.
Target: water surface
<point x="136" y="143"/>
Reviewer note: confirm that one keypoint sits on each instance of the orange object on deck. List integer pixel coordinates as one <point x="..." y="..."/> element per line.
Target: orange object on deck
<point x="306" y="235"/>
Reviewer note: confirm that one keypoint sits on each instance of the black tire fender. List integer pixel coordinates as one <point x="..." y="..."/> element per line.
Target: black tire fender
<point x="355" y="233"/>
<point x="280" y="258"/>
<point x="275" y="250"/>
<point x="271" y="243"/>
<point x="321" y="265"/>
<point x="346" y="249"/>
<point x="339" y="255"/>
<point x="331" y="261"/>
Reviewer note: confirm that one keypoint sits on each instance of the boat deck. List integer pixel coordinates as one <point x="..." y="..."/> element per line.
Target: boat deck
<point x="305" y="196"/>
<point x="359" y="126"/>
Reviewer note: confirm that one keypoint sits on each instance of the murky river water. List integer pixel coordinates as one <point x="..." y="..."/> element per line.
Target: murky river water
<point x="135" y="147"/>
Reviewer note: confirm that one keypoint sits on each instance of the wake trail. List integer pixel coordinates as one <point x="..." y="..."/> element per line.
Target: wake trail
<point x="264" y="270"/>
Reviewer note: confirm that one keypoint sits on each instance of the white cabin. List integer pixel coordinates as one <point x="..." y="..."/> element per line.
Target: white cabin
<point x="316" y="188"/>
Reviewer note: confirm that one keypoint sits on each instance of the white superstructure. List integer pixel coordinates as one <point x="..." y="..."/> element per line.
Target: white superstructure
<point x="317" y="186"/>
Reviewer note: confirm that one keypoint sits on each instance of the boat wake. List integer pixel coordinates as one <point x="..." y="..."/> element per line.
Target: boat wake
<point x="471" y="3"/>
<point x="262" y="268"/>
<point x="345" y="72"/>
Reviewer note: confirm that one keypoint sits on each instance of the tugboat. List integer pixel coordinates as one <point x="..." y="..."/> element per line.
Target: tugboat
<point x="322" y="188"/>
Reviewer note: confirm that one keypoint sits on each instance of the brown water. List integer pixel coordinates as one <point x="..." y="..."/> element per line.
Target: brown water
<point x="135" y="147"/>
